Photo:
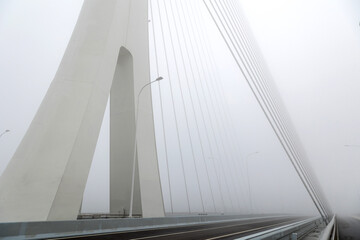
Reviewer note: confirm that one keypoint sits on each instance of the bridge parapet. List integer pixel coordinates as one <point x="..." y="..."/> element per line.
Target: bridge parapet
<point x="331" y="230"/>
<point x="57" y="229"/>
<point x="297" y="230"/>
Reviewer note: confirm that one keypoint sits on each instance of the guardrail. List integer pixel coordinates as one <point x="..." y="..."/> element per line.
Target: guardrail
<point x="291" y="231"/>
<point x="331" y="231"/>
<point x="55" y="229"/>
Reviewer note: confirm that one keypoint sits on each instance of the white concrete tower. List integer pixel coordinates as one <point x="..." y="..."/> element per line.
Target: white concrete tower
<point x="108" y="52"/>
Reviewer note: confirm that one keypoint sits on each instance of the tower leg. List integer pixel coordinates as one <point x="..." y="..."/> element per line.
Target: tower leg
<point x="46" y="177"/>
<point x="122" y="137"/>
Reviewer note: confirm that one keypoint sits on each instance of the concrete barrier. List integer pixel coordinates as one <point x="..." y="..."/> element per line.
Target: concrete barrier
<point x="52" y="229"/>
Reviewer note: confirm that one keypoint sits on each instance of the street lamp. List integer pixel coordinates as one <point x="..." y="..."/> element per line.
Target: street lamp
<point x="351" y="145"/>
<point x="6" y="131"/>
<point x="248" y="179"/>
<point x="135" y="140"/>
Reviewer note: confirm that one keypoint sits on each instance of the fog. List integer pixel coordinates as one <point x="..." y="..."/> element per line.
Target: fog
<point x="312" y="51"/>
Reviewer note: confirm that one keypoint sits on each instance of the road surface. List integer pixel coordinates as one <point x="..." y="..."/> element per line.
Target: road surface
<point x="349" y="228"/>
<point x="210" y="231"/>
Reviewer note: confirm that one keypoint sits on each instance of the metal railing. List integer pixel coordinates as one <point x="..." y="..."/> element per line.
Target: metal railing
<point x="331" y="231"/>
<point x="292" y="231"/>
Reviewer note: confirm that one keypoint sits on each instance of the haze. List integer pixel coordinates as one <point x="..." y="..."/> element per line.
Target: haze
<point x="312" y="50"/>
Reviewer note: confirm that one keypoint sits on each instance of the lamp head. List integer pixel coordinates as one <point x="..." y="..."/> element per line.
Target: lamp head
<point x="159" y="78"/>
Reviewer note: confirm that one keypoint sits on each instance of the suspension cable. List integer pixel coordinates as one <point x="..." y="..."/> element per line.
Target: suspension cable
<point x="260" y="98"/>
<point x="173" y="107"/>
<point x="192" y="104"/>
<point x="161" y="107"/>
<point x="182" y="96"/>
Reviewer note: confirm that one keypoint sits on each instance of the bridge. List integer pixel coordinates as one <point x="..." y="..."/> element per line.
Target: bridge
<point x="157" y="72"/>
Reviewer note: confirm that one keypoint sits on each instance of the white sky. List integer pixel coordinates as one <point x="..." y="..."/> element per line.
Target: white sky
<point x="311" y="47"/>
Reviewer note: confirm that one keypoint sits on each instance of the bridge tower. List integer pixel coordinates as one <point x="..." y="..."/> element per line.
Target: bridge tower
<point x="107" y="55"/>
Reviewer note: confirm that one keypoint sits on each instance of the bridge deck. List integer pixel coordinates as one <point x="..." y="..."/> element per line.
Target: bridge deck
<point x="229" y="230"/>
<point x="200" y="227"/>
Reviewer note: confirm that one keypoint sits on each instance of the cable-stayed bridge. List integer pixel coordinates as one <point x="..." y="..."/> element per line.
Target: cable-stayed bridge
<point x="172" y="145"/>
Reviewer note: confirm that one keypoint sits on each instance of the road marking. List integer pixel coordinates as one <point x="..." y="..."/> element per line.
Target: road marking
<point x="237" y="233"/>
<point x="206" y="229"/>
<point x="197" y="230"/>
<point x="232" y="234"/>
<point x="143" y="230"/>
<point x="164" y="228"/>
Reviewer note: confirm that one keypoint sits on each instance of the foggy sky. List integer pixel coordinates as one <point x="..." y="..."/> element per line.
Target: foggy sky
<point x="311" y="48"/>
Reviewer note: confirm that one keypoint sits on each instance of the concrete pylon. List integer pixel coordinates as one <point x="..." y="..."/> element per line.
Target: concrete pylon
<point x="46" y="177"/>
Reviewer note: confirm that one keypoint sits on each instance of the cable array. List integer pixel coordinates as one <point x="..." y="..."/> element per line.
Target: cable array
<point x="196" y="142"/>
<point x="230" y="23"/>
<point x="190" y="98"/>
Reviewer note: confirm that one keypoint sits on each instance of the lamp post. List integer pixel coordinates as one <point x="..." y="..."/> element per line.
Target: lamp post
<point x="6" y="131"/>
<point x="351" y="145"/>
<point x="248" y="179"/>
<point x="135" y="140"/>
<point x="355" y="146"/>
